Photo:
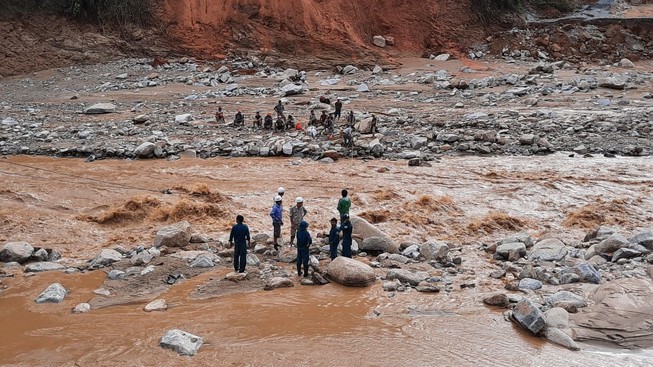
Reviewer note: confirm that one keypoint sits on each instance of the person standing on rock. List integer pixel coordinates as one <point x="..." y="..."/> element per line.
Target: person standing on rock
<point x="338" y="106"/>
<point x="343" y="205"/>
<point x="346" y="227"/>
<point x="297" y="214"/>
<point x="240" y="237"/>
<point x="279" y="110"/>
<point x="350" y="118"/>
<point x="334" y="238"/>
<point x="277" y="220"/>
<point x="304" y="241"/>
<point x="373" y="128"/>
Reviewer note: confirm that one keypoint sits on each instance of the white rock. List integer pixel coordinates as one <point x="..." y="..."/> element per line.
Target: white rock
<point x="626" y="64"/>
<point x="185" y="118"/>
<point x="441" y="57"/>
<point x="184" y="343"/>
<point x="379" y="41"/>
<point x="377" y="70"/>
<point x="54" y="293"/>
<point x="292" y="89"/>
<point x="156" y="305"/>
<point x="100" y="108"/>
<point x="82" y="308"/>
<point x="363" y="88"/>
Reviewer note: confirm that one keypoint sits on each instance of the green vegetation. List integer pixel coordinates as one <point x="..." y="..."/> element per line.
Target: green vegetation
<point x="109" y="13"/>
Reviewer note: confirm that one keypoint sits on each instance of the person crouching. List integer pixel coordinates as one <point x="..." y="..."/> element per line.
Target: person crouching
<point x="304" y="240"/>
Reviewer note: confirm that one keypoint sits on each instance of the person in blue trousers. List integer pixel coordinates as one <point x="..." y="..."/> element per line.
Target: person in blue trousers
<point x="334" y="238"/>
<point x="240" y="236"/>
<point x="304" y="241"/>
<point x="346" y="227"/>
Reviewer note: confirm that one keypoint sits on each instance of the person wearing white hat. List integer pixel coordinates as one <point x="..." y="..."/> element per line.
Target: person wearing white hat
<point x="297" y="214"/>
<point x="281" y="191"/>
<point x="277" y="219"/>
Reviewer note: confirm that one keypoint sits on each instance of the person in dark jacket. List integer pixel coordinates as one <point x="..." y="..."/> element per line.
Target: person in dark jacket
<point x="304" y="241"/>
<point x="338" y="106"/>
<point x="267" y="122"/>
<point x="334" y="238"/>
<point x="346" y="227"/>
<point x="240" y="236"/>
<point x="239" y="119"/>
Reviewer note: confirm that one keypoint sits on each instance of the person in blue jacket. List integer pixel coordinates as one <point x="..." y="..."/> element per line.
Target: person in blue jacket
<point x="240" y="235"/>
<point x="334" y="238"/>
<point x="346" y="227"/>
<point x="277" y="220"/>
<point x="304" y="240"/>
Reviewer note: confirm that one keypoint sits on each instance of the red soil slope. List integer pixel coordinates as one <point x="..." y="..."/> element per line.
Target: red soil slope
<point x="332" y="30"/>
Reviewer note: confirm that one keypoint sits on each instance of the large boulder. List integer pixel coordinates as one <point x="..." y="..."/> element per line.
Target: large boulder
<point x="279" y="282"/>
<point x="364" y="126"/>
<point x="350" y="272"/>
<point x="565" y="298"/>
<point x="382" y="244"/>
<point x="364" y="229"/>
<point x="611" y="244"/>
<point x="54" y="293"/>
<point x="186" y="344"/>
<point x="105" y="257"/>
<point x="434" y="250"/>
<point x="497" y="299"/>
<point x="292" y="89"/>
<point x="16" y="252"/>
<point x="142" y="258"/>
<point x="511" y="251"/>
<point x="586" y="273"/>
<point x="43" y="266"/>
<point x="100" y="108"/>
<point x="175" y="235"/>
<point x="643" y="239"/>
<point x="145" y="150"/>
<point x="550" y="249"/>
<point x="557" y="336"/>
<point x="528" y="315"/>
<point x="621" y="313"/>
<point x="405" y="276"/>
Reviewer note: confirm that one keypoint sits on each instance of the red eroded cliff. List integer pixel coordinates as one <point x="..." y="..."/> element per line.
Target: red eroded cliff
<point x="302" y="31"/>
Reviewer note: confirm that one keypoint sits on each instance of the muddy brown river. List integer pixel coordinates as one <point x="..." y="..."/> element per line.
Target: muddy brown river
<point x="79" y="208"/>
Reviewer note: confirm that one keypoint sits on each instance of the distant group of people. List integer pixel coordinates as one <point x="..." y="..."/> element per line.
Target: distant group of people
<point x="284" y="123"/>
<point x="240" y="236"/>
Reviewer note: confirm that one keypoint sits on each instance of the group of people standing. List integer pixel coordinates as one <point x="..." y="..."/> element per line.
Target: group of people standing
<point x="240" y="236"/>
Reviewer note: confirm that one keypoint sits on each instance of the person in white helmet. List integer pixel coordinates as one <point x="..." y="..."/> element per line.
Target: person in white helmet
<point x="281" y="191"/>
<point x="297" y="214"/>
<point x="277" y="219"/>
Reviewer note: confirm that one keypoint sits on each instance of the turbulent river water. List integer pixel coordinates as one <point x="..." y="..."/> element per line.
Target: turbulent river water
<point x="61" y="203"/>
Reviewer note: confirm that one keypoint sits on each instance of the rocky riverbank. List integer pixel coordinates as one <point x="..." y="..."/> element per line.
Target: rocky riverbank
<point x="426" y="109"/>
<point x="592" y="289"/>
